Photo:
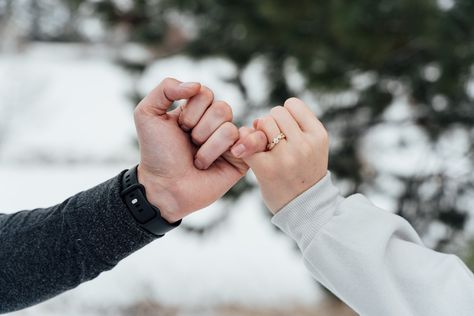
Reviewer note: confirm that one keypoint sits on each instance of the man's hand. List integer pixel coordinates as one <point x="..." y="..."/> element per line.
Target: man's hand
<point x="185" y="163"/>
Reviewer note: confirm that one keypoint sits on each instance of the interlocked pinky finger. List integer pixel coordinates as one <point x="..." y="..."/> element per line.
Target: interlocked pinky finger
<point x="251" y="142"/>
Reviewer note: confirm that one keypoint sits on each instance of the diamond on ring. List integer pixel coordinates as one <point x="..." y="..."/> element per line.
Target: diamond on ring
<point x="275" y="141"/>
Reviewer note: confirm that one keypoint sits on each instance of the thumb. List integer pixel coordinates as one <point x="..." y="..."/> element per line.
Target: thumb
<point x="168" y="91"/>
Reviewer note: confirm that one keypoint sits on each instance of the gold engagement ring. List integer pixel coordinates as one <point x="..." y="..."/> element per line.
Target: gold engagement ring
<point x="275" y="141"/>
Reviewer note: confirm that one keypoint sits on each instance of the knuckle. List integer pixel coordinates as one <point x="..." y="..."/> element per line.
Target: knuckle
<point x="186" y="121"/>
<point x="244" y="131"/>
<point x="265" y="122"/>
<point x="222" y="110"/>
<point x="276" y="110"/>
<point x="207" y="93"/>
<point x="292" y="102"/>
<point x="167" y="81"/>
<point x="197" y="138"/>
<point x="230" y="131"/>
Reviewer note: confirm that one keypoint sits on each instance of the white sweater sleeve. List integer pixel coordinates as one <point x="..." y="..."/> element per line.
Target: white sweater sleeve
<point x="374" y="260"/>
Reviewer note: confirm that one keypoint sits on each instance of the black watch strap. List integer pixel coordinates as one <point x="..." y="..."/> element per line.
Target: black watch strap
<point x="134" y="195"/>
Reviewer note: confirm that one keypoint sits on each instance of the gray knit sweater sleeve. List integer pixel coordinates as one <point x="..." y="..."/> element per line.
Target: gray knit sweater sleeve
<point x="45" y="252"/>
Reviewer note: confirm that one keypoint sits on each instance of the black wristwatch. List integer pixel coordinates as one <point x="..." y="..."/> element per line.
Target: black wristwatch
<point x="148" y="216"/>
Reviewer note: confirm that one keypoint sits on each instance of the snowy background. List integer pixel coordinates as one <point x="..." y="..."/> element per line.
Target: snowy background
<point x="67" y="93"/>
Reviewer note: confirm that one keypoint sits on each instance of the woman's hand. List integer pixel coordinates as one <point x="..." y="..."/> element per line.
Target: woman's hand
<point x="296" y="163"/>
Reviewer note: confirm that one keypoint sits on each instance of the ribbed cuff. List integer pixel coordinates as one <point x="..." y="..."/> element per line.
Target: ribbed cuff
<point x="303" y="217"/>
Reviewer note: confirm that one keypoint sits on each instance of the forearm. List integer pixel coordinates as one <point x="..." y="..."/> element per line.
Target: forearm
<point x="374" y="260"/>
<point x="45" y="252"/>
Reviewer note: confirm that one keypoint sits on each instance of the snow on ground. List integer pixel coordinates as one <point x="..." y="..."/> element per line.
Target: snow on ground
<point x="63" y="104"/>
<point x="66" y="125"/>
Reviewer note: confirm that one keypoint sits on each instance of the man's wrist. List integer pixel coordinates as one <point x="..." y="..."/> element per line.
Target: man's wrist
<point x="159" y="196"/>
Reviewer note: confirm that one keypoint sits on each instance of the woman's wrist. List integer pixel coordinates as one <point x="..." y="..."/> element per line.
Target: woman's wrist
<point x="277" y="195"/>
<point x="306" y="214"/>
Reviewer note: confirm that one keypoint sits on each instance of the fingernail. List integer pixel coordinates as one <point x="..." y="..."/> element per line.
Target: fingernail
<point x="238" y="150"/>
<point x="188" y="84"/>
<point x="198" y="164"/>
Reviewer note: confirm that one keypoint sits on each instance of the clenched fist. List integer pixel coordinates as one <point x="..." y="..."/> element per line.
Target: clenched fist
<point x="185" y="160"/>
